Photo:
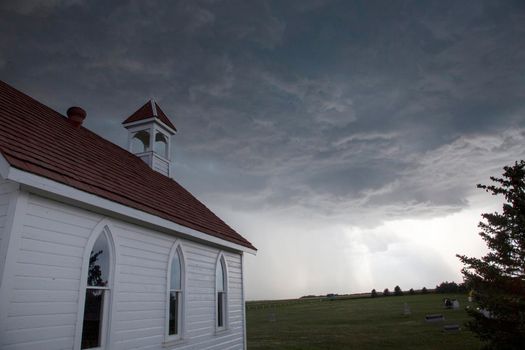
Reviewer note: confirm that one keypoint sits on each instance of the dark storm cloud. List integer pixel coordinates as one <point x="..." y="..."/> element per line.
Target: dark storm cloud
<point x="361" y="110"/>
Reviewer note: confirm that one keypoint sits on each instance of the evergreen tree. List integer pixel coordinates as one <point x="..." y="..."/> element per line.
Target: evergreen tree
<point x="386" y="292"/>
<point x="373" y="294"/>
<point x="498" y="278"/>
<point x="398" y="291"/>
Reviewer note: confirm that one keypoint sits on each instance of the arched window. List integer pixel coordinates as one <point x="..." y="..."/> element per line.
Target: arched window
<point x="221" y="288"/>
<point x="96" y="305"/>
<point x="140" y="141"/>
<point x="175" y="294"/>
<point x="161" y="144"/>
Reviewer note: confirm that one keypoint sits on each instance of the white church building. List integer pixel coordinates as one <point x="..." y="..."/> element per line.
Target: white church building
<point x="100" y="248"/>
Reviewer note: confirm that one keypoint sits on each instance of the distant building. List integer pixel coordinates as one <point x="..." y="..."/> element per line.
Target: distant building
<point x="100" y="248"/>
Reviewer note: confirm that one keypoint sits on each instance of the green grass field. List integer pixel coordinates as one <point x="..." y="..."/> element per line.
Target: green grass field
<point x="359" y="323"/>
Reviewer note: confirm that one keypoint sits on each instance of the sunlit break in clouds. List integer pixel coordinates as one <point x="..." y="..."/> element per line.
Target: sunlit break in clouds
<point x="344" y="139"/>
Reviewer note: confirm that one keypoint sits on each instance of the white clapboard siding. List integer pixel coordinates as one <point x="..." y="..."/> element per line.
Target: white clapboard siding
<point x="43" y="304"/>
<point x="141" y="306"/>
<point x="160" y="165"/>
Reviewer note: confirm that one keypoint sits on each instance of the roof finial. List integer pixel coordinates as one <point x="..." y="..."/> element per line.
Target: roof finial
<point x="154" y="107"/>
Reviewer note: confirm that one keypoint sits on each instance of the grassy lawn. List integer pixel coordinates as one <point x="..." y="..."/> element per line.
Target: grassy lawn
<point x="364" y="323"/>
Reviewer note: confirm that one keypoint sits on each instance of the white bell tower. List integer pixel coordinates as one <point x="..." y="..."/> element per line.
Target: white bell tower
<point x="149" y="136"/>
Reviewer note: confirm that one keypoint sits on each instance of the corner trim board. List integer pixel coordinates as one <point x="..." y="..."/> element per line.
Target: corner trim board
<point x="17" y="211"/>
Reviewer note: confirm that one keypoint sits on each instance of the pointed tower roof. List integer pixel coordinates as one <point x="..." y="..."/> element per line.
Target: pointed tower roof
<point x="150" y="110"/>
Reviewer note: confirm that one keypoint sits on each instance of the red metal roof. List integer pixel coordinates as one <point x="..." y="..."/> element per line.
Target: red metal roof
<point x="39" y="140"/>
<point x="149" y="110"/>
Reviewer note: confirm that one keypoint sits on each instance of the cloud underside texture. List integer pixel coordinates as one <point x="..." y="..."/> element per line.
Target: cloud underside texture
<point x="359" y="112"/>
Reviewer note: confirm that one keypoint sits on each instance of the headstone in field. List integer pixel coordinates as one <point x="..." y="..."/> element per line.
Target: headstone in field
<point x="451" y="328"/>
<point x="455" y="304"/>
<point x="271" y="317"/>
<point x="484" y="312"/>
<point x="406" y="310"/>
<point x="434" y="318"/>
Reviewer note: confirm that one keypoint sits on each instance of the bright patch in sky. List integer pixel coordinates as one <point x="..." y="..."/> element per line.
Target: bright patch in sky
<point x="411" y="253"/>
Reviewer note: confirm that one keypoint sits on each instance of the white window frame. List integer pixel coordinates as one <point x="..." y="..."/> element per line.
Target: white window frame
<point x="221" y="258"/>
<point x="104" y="227"/>
<point x="176" y="249"/>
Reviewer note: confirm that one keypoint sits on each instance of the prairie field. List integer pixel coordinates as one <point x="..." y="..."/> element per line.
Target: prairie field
<point x="358" y="323"/>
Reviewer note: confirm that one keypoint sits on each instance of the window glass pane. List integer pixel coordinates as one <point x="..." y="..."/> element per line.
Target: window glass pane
<point x="92" y="325"/>
<point x="161" y="145"/>
<point x="175" y="279"/>
<point x="220" y="277"/>
<point x="174" y="313"/>
<point x="220" y="309"/>
<point x="140" y="141"/>
<point x="98" y="272"/>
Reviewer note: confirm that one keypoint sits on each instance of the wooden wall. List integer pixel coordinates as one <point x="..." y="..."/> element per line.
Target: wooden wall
<point x="41" y="303"/>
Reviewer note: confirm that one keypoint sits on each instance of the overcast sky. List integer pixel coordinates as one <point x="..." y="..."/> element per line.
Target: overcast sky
<point x="344" y="139"/>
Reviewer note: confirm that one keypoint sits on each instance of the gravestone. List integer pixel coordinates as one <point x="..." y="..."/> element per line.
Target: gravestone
<point x="451" y="328"/>
<point x="434" y="318"/>
<point x="271" y="317"/>
<point x="406" y="310"/>
<point x="455" y="304"/>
